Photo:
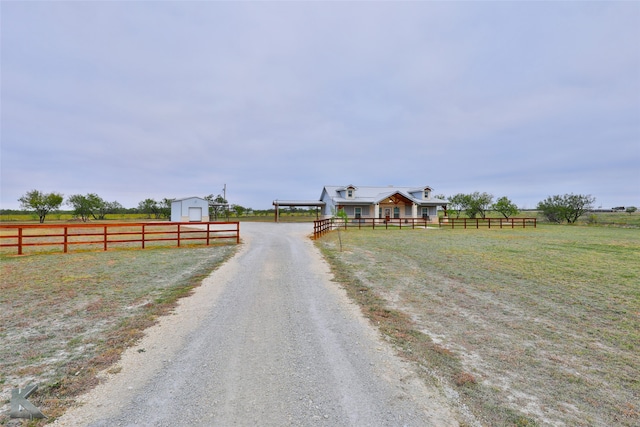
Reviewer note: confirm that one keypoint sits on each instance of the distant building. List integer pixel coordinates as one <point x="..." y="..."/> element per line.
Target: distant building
<point x="190" y="209"/>
<point x="382" y="202"/>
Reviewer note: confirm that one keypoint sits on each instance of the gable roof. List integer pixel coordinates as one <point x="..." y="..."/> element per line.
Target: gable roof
<point x="187" y="198"/>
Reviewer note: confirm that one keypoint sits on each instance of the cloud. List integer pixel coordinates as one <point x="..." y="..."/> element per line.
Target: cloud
<point x="133" y="100"/>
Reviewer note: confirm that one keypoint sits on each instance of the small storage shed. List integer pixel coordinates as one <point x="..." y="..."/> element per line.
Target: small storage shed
<point x="190" y="209"/>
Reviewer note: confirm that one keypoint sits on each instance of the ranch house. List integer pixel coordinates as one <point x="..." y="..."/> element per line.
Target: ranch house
<point x="382" y="202"/>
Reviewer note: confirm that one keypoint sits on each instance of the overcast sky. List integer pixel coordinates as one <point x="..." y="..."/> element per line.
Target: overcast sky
<point x="135" y="100"/>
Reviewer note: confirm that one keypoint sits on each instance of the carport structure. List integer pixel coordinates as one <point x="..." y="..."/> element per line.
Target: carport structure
<point x="296" y="203"/>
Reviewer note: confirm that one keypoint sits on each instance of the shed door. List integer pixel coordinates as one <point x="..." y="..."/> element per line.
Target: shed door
<point x="195" y="214"/>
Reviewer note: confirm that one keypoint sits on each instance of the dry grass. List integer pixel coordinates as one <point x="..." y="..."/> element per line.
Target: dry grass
<point x="49" y="237"/>
<point x="65" y="317"/>
<point x="533" y="326"/>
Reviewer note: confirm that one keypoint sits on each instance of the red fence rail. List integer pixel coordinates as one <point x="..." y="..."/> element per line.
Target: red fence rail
<point x="323" y="226"/>
<point x="487" y="222"/>
<point x="105" y="235"/>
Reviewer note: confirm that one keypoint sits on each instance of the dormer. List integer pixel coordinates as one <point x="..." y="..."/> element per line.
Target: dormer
<point x="350" y="192"/>
<point x="426" y="193"/>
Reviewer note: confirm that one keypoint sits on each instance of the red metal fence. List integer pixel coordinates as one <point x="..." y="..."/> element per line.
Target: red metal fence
<point x="488" y="222"/>
<point x="323" y="226"/>
<point x="106" y="235"/>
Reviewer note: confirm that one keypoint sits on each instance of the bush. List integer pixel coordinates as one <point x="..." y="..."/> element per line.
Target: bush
<point x="568" y="208"/>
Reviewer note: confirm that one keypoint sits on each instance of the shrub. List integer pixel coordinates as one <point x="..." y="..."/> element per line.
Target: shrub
<point x="568" y="208"/>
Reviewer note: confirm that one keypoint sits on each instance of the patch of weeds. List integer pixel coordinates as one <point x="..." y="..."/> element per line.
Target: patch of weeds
<point x="464" y="379"/>
<point x="520" y="421"/>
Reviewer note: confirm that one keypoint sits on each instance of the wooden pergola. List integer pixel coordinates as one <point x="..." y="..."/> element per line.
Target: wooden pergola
<point x="297" y="203"/>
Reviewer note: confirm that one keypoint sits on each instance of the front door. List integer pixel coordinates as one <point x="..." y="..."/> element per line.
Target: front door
<point x="387" y="213"/>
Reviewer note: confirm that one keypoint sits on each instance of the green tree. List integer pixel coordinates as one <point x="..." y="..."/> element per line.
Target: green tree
<point x="568" y="207"/>
<point x="165" y="208"/>
<point x="85" y="206"/>
<point x="630" y="209"/>
<point x="552" y="208"/>
<point x="506" y="207"/>
<point x="217" y="206"/>
<point x="98" y="206"/>
<point x="112" y="208"/>
<point x="41" y="203"/>
<point x="92" y="205"/>
<point x="458" y="203"/>
<point x="149" y="207"/>
<point x="239" y="210"/>
<point x="478" y="204"/>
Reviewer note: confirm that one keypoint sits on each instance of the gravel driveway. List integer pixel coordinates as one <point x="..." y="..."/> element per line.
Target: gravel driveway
<point x="268" y="340"/>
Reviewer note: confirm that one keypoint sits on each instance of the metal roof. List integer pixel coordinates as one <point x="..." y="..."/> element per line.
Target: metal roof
<point x="187" y="198"/>
<point x="377" y="194"/>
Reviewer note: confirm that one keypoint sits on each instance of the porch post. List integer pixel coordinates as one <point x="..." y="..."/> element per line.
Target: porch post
<point x="414" y="210"/>
<point x="376" y="210"/>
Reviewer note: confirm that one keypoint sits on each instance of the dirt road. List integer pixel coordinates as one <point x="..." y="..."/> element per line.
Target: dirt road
<point x="268" y="340"/>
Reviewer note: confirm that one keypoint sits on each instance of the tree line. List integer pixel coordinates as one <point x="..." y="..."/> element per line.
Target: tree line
<point x="557" y="208"/>
<point x="88" y="206"/>
<point x="479" y="204"/>
<point x="92" y="206"/>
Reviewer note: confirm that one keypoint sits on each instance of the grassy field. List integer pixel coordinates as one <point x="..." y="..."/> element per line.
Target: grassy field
<point x="522" y="327"/>
<point x="65" y="317"/>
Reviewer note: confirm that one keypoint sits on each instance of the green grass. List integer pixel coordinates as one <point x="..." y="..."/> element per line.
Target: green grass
<point x="65" y="317"/>
<point x="545" y="320"/>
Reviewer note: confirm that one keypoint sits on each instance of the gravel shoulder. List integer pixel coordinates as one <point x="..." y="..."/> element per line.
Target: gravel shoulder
<point x="267" y="339"/>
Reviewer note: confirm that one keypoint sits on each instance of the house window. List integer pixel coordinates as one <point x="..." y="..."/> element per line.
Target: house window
<point x="426" y="194"/>
<point x="358" y="213"/>
<point x="396" y="212"/>
<point x="349" y="193"/>
<point x="425" y="213"/>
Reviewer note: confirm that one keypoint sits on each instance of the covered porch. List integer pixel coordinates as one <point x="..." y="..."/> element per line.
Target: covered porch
<point x="395" y="206"/>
